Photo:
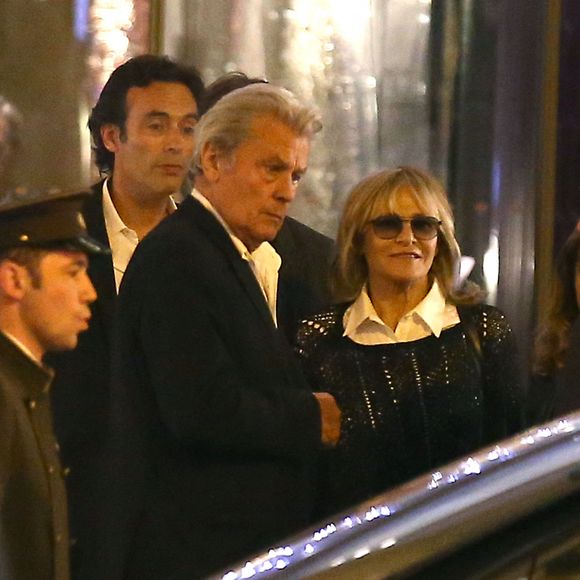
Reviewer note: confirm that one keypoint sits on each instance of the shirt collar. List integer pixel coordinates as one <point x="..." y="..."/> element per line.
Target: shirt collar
<point x="431" y="310"/>
<point x="358" y="312"/>
<point x="113" y="220"/>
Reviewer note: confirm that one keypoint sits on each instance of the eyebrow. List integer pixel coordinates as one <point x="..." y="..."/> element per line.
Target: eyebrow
<point x="80" y="262"/>
<point x="275" y="158"/>
<point x="165" y="115"/>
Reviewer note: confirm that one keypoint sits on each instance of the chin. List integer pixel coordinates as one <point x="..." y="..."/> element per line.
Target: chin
<point x="272" y="232"/>
<point x="64" y="344"/>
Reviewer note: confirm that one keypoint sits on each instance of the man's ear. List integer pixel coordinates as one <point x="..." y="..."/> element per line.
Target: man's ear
<point x="212" y="162"/>
<point x="14" y="280"/>
<point x="111" y="136"/>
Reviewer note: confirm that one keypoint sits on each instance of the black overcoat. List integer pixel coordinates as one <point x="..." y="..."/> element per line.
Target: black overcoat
<point x="214" y="426"/>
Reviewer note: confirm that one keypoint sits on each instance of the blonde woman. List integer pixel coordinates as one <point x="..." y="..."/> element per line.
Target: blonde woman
<point x="422" y="371"/>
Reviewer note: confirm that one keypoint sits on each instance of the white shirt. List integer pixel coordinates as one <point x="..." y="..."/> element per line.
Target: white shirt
<point x="264" y="261"/>
<point x="363" y="325"/>
<point x="123" y="240"/>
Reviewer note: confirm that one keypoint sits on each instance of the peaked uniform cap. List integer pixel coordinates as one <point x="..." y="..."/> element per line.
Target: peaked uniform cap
<point x="41" y="218"/>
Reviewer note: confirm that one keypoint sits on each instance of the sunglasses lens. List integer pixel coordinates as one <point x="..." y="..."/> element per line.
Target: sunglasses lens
<point x="388" y="227"/>
<point x="424" y="228"/>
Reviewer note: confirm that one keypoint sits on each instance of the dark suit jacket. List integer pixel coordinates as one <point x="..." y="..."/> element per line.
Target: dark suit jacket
<point x="213" y="424"/>
<point x="303" y="287"/>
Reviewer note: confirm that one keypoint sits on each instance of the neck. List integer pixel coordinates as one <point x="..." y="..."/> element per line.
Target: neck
<point x="16" y="331"/>
<point x="139" y="212"/>
<point x="392" y="300"/>
<point x="207" y="191"/>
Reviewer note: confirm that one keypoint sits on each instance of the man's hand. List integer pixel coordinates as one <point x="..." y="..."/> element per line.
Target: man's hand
<point x="330" y="417"/>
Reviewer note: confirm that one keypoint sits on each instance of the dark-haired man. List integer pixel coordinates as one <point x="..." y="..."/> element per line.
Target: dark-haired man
<point x="142" y="131"/>
<point x="45" y="295"/>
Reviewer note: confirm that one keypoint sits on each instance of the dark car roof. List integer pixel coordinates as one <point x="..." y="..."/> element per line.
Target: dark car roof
<point x="403" y="530"/>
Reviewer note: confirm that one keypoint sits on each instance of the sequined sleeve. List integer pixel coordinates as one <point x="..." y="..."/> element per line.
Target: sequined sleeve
<point x="311" y="332"/>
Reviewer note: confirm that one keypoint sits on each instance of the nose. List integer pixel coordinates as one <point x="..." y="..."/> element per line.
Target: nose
<point x="88" y="292"/>
<point x="175" y="139"/>
<point x="286" y="189"/>
<point x="406" y="235"/>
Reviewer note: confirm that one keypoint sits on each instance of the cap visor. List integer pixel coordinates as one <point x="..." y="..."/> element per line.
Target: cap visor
<point x="89" y="245"/>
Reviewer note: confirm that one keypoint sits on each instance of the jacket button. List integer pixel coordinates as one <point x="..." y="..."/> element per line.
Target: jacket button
<point x="32" y="404"/>
<point x="50" y="469"/>
<point x="66" y="471"/>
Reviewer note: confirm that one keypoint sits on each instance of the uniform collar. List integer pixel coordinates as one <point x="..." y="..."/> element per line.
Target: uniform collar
<point x="32" y="376"/>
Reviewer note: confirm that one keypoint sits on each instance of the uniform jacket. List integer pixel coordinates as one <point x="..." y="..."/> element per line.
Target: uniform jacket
<point x="214" y="426"/>
<point x="34" y="542"/>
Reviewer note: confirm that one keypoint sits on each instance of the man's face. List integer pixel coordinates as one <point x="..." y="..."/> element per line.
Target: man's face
<point x="56" y="310"/>
<point x="252" y="188"/>
<point x="155" y="150"/>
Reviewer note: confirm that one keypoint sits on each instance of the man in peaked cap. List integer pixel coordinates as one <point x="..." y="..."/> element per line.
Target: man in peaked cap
<point x="44" y="304"/>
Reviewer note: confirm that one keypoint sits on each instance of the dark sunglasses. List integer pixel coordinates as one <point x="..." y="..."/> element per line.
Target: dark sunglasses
<point x="388" y="227"/>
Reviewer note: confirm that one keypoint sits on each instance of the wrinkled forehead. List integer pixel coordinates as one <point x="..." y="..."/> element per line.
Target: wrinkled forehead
<point x="393" y="201"/>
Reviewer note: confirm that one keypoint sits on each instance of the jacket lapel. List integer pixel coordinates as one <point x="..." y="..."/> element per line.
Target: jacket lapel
<point x="101" y="266"/>
<point x="214" y="230"/>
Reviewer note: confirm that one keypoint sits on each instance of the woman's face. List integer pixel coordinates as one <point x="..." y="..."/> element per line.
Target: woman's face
<point x="404" y="259"/>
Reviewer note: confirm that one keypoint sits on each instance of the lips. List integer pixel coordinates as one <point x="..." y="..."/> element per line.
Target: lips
<point x="276" y="216"/>
<point x="84" y="321"/>
<point x="171" y="168"/>
<point x="408" y="255"/>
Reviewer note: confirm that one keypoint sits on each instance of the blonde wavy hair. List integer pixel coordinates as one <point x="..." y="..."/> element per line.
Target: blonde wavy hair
<point x="377" y="195"/>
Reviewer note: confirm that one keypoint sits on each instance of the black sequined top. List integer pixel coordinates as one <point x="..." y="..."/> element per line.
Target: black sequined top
<point x="409" y="407"/>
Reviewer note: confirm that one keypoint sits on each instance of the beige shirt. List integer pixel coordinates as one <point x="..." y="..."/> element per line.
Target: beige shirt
<point x="264" y="261"/>
<point x="123" y="240"/>
<point x="363" y="325"/>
